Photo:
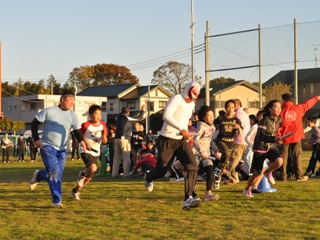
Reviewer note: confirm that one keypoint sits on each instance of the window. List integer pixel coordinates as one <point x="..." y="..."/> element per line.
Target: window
<point x="104" y="106"/>
<point x="111" y="107"/>
<point x="311" y="88"/>
<point x="304" y="91"/>
<point x="151" y="106"/>
<point x="131" y="105"/>
<point x="162" y="104"/>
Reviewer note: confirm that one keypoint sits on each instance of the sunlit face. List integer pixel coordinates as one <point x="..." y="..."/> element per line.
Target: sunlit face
<point x="275" y="109"/>
<point x="190" y="123"/>
<point x="209" y="117"/>
<point x="136" y="126"/>
<point x="67" y="102"/>
<point x="230" y="109"/>
<point x="96" y="117"/>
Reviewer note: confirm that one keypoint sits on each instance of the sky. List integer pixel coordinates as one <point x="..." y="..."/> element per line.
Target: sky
<point x="42" y="38"/>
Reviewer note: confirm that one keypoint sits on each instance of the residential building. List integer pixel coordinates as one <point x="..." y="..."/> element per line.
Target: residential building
<point x="243" y="90"/>
<point x="24" y="108"/>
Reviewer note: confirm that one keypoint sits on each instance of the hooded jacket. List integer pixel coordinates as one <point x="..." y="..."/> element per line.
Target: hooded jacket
<point x="291" y="115"/>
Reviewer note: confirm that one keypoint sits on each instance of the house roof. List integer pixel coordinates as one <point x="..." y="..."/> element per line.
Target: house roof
<point x="110" y="91"/>
<point x="217" y="88"/>
<point x="287" y="76"/>
<point x="143" y="90"/>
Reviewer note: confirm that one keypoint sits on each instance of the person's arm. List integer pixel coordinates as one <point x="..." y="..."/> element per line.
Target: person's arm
<point x="252" y="132"/>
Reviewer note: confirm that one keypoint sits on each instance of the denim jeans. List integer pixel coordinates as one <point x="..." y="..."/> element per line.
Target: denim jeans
<point x="54" y="161"/>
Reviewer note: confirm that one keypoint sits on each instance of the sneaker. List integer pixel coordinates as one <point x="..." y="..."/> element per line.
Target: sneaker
<point x="168" y="174"/>
<point x="247" y="193"/>
<point x="256" y="190"/>
<point x="303" y="179"/>
<point x="270" y="178"/>
<point x="200" y="178"/>
<point x="149" y="186"/>
<point x="212" y="197"/>
<point x="180" y="179"/>
<point x="76" y="196"/>
<point x="312" y="175"/>
<point x="72" y="159"/>
<point x="191" y="203"/>
<point x="57" y="205"/>
<point x="34" y="182"/>
<point x="80" y="180"/>
<point x="217" y="183"/>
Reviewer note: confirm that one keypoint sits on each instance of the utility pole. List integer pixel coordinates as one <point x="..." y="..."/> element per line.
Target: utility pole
<point x="192" y="42"/>
<point x="1" y="113"/>
<point x="207" y="73"/>
<point x="260" y="67"/>
<point x="295" y="62"/>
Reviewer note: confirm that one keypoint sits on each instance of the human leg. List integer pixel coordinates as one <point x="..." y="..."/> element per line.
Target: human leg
<point x="297" y="160"/>
<point x="117" y="157"/>
<point x="126" y="149"/>
<point x="283" y="168"/>
<point x="236" y="155"/>
<point x="54" y="161"/>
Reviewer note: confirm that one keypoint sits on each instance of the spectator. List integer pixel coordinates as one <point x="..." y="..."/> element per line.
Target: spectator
<point x="151" y="148"/>
<point x="147" y="162"/>
<point x="75" y="147"/>
<point x="265" y="146"/>
<point x="95" y="132"/>
<point x="291" y="115"/>
<point x="57" y="121"/>
<point x="315" y="142"/>
<point x="172" y="143"/>
<point x="195" y="119"/>
<point x="21" y="147"/>
<point x="5" y="145"/>
<point x="150" y="136"/>
<point x="32" y="148"/>
<point x="122" y="147"/>
<point x="110" y="143"/>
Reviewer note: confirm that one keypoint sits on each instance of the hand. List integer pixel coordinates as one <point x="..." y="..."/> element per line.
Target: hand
<point x="38" y="143"/>
<point x="185" y="133"/>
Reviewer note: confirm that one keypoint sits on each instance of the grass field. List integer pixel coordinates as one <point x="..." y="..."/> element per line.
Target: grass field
<point x="123" y="209"/>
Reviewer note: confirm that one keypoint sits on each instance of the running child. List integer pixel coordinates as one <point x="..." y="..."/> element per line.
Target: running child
<point x="265" y="146"/>
<point x="203" y="144"/>
<point x="95" y="132"/>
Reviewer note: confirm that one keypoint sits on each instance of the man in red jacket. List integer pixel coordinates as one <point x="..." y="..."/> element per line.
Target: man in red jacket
<point x="291" y="115"/>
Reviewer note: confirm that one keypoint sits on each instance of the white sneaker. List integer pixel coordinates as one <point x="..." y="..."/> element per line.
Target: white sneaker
<point x="212" y="197"/>
<point x="191" y="203"/>
<point x="57" y="205"/>
<point x="80" y="180"/>
<point x="33" y="181"/>
<point x="304" y="178"/>
<point x="149" y="186"/>
<point x="180" y="179"/>
<point x="270" y="178"/>
<point x="76" y="196"/>
<point x="247" y="193"/>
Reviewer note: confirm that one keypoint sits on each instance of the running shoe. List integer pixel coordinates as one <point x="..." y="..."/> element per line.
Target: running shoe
<point x="270" y="178"/>
<point x="211" y="197"/>
<point x="247" y="193"/>
<point x="81" y="179"/>
<point x="303" y="179"/>
<point x="191" y="203"/>
<point x="57" y="205"/>
<point x="33" y="181"/>
<point x="76" y="196"/>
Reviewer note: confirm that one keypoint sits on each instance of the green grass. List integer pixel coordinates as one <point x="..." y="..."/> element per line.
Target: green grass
<point x="123" y="209"/>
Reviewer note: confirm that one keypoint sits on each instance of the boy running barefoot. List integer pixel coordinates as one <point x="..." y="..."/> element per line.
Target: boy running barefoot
<point x="95" y="132"/>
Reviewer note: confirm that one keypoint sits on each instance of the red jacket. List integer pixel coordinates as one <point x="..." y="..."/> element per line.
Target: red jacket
<point x="291" y="115"/>
<point x="150" y="158"/>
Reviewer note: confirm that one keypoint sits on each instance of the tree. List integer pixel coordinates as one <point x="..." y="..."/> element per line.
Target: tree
<point x="221" y="80"/>
<point x="100" y="74"/>
<point x="275" y="91"/>
<point x="173" y="76"/>
<point x="53" y="85"/>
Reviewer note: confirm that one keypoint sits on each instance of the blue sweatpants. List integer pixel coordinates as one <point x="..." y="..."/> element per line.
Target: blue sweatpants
<point x="54" y="161"/>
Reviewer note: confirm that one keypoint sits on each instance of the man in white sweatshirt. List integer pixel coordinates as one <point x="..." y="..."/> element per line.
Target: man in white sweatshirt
<point x="173" y="142"/>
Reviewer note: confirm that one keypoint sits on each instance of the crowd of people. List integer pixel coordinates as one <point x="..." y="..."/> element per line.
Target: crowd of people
<point x="225" y="149"/>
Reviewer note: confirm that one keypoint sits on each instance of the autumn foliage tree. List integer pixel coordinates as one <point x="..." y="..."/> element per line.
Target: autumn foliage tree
<point x="100" y="74"/>
<point x="173" y="76"/>
<point x="275" y="91"/>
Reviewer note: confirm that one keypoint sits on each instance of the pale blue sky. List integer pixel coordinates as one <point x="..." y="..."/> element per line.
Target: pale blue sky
<point x="42" y="37"/>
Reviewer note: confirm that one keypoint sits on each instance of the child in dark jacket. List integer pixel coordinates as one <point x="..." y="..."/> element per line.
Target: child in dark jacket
<point x="265" y="146"/>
